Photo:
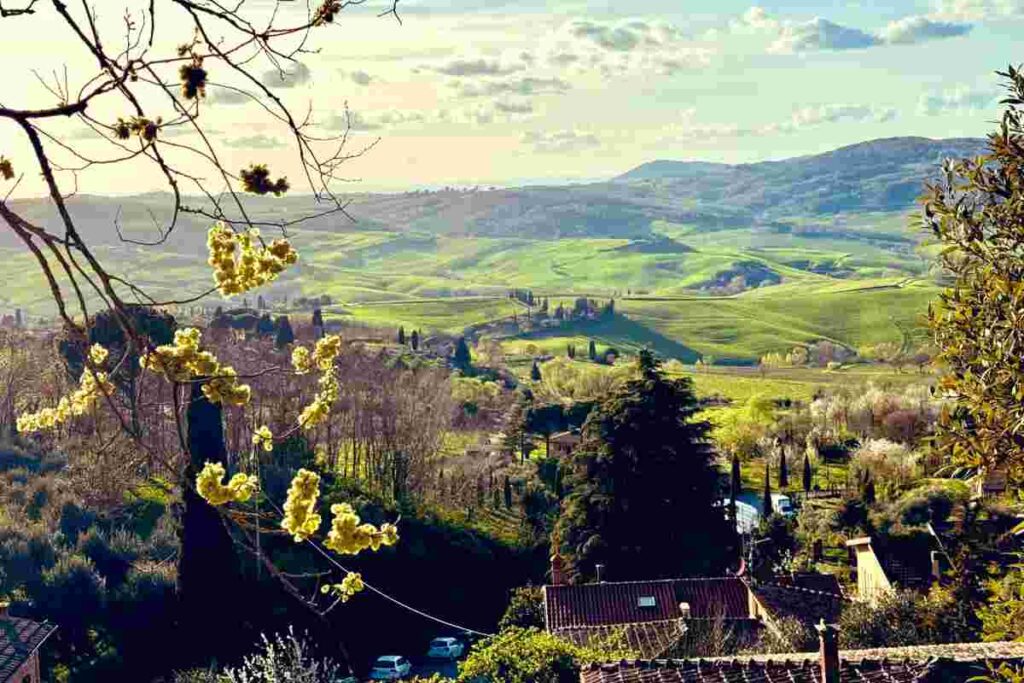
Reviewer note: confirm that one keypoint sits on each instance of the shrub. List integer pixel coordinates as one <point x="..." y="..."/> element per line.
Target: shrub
<point x="72" y="593"/>
<point x="525" y="609"/>
<point x="25" y="553"/>
<point x="890" y="465"/>
<point x="283" y="658"/>
<point x="112" y="552"/>
<point x="530" y="656"/>
<point x="74" y="520"/>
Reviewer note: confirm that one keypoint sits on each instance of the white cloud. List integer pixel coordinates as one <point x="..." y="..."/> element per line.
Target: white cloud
<point x="254" y="142"/>
<point x="293" y="75"/>
<point x="561" y="141"/>
<point x="958" y="99"/>
<point x="475" y="67"/>
<point x="517" y="85"/>
<point x="979" y="10"/>
<point x="918" y="29"/>
<point x="801" y="118"/>
<point x="784" y="36"/>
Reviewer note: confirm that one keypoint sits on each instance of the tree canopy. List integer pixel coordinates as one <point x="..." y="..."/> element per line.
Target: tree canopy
<point x="643" y="490"/>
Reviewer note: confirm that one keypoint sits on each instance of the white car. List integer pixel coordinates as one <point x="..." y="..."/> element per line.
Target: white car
<point x="390" y="668"/>
<point x="782" y="505"/>
<point x="445" y="648"/>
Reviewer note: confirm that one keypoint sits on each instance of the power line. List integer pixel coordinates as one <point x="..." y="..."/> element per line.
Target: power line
<point x="384" y="595"/>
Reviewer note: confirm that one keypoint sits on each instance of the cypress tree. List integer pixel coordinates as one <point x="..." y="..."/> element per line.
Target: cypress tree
<point x="869" y="491"/>
<point x="783" y="469"/>
<point x="414" y="340"/>
<point x="508" y="493"/>
<point x="401" y="335"/>
<point x="737" y="480"/>
<point x="592" y="351"/>
<point x="807" y="473"/>
<point x="318" y="323"/>
<point x="285" y="335"/>
<point x="461" y="358"/>
<point x="18" y="321"/>
<point x="264" y="326"/>
<point x="535" y="372"/>
<point x="766" y="503"/>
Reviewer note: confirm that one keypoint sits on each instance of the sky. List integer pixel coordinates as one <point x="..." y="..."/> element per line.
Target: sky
<point x="488" y="92"/>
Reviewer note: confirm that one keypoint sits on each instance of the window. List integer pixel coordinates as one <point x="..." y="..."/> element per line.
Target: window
<point x="646" y="601"/>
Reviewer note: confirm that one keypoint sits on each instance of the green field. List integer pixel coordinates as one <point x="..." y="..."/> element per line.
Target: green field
<point x="862" y="285"/>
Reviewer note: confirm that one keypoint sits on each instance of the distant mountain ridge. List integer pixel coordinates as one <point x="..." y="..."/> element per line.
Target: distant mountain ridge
<point x="885" y="175"/>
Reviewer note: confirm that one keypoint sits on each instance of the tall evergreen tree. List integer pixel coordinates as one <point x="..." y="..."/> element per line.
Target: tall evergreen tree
<point x="783" y="469"/>
<point x="285" y="335"/>
<point x="318" y="323"/>
<point x="18" y="321"/>
<point x="807" y="473"/>
<point x="508" y="493"/>
<point x="592" y="350"/>
<point x="401" y="335"/>
<point x="461" y="358"/>
<point x="735" y="486"/>
<point x="414" y="340"/>
<point x="644" y="459"/>
<point x="766" y="502"/>
<point x="535" y="372"/>
<point x="264" y="326"/>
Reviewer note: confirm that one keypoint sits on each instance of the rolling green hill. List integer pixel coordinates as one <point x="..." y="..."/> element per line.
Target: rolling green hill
<point x="732" y="261"/>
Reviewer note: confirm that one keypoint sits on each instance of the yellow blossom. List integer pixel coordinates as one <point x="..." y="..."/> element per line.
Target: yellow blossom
<point x="97" y="354"/>
<point x="300" y="517"/>
<point x="349" y="586"/>
<point x="182" y="361"/>
<point x="350" y="536"/>
<point x="240" y="263"/>
<point x="302" y="360"/>
<point x="90" y="388"/>
<point x="210" y="486"/>
<point x="263" y="437"/>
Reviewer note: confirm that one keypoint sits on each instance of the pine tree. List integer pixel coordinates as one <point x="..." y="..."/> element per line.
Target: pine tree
<point x="592" y="351"/>
<point x="783" y="469"/>
<point x="261" y="304"/>
<point x="414" y="340"/>
<point x="644" y="459"/>
<point x="535" y="372"/>
<point x="766" y="503"/>
<point x="735" y="486"/>
<point x="807" y="473"/>
<point x="401" y="335"/>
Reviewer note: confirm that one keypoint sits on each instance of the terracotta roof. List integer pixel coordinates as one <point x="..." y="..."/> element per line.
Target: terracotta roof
<point x="19" y="638"/>
<point x="804" y="604"/>
<point x="737" y="671"/>
<point x="814" y="581"/>
<point x="715" y="597"/>
<point x="952" y="663"/>
<point x="607" y="603"/>
<point x="957" y="652"/>
<point x="603" y="604"/>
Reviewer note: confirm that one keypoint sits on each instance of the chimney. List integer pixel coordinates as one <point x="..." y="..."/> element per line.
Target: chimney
<point x="600" y="573"/>
<point x="828" y="634"/>
<point x="557" y="570"/>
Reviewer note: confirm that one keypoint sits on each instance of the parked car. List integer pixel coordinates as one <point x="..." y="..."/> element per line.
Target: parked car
<point x="390" y="668"/>
<point x="782" y="505"/>
<point x="445" y="648"/>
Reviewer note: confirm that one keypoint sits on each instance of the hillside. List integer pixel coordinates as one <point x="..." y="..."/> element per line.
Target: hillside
<point x="805" y="248"/>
